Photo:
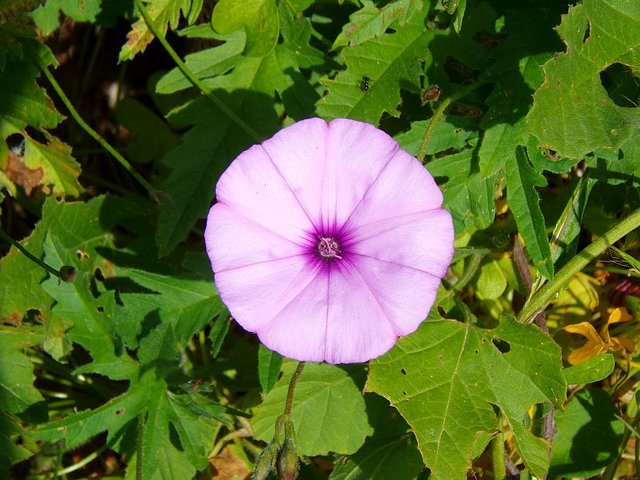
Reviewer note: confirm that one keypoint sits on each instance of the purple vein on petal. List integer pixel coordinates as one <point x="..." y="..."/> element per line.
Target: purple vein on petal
<point x="262" y="262"/>
<point x="376" y="301"/>
<point x="313" y="224"/>
<point x="375" y="180"/>
<point x="435" y="277"/>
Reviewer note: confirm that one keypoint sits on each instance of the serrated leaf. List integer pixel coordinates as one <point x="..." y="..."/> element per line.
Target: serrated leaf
<point x="467" y="196"/>
<point x="328" y="410"/>
<point x="149" y="406"/>
<point x="381" y="459"/>
<point x="387" y="63"/>
<point x="17" y="392"/>
<point x="209" y="147"/>
<point x="61" y="170"/>
<point x="591" y="414"/>
<point x="524" y="202"/>
<point x="259" y="18"/>
<point x="98" y="12"/>
<point x="452" y="134"/>
<point x="446" y="376"/>
<point x="164" y="13"/>
<point x="16" y="28"/>
<point x="269" y="365"/>
<point x="572" y="112"/>
<point x="370" y="21"/>
<point x="13" y="448"/>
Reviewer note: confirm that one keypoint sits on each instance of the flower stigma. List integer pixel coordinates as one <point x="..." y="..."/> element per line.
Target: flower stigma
<point x="328" y="248"/>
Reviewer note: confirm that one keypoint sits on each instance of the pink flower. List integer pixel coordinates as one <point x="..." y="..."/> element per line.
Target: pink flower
<point x="328" y="241"/>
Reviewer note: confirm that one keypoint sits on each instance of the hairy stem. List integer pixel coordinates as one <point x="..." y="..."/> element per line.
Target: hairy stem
<point x="539" y="300"/>
<point x="439" y="113"/>
<point x="292" y="388"/>
<point x="95" y="135"/>
<point x="191" y="77"/>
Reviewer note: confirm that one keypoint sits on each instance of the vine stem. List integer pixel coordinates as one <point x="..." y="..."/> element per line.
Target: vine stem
<point x="439" y="113"/>
<point x="95" y="135"/>
<point x="540" y="299"/>
<point x="191" y="77"/>
<point x="292" y="388"/>
<point x="32" y="257"/>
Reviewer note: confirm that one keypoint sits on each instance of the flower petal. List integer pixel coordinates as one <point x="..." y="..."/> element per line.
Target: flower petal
<point x="403" y="187"/>
<point x="405" y="294"/>
<point x="254" y="294"/>
<point x="422" y="240"/>
<point x="254" y="188"/>
<point x="299" y="329"/>
<point x="233" y="241"/>
<point x="330" y="167"/>
<point x="357" y="327"/>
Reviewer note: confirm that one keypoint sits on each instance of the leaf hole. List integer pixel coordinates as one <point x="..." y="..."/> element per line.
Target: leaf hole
<point x="16" y="144"/>
<point x="587" y="32"/>
<point x="621" y="84"/>
<point x="501" y="345"/>
<point x="403" y="371"/>
<point x="119" y="411"/>
<point x="100" y="309"/>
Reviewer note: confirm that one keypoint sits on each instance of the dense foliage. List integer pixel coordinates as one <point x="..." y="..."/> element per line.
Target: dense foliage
<point x="117" y="358"/>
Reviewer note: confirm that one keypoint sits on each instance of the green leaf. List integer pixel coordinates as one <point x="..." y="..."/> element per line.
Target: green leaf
<point x="17" y="392"/>
<point x="492" y="281"/>
<point x="370" y="22"/>
<point x="151" y="137"/>
<point x="572" y="112"/>
<point x="259" y="18"/>
<point x="389" y="62"/>
<point x="590" y="371"/>
<point x="218" y="333"/>
<point x="467" y="195"/>
<point x="445" y="378"/>
<point x="328" y="410"/>
<point x="165" y="14"/>
<point x="60" y="169"/>
<point x="591" y="414"/>
<point x="13" y="448"/>
<point x="16" y="28"/>
<point x="269" y="365"/>
<point x="22" y="101"/>
<point x="564" y="240"/>
<point x="453" y="134"/>
<point x="149" y="406"/>
<point x="209" y="147"/>
<point x="524" y="203"/>
<point x="98" y="12"/>
<point x="381" y="459"/>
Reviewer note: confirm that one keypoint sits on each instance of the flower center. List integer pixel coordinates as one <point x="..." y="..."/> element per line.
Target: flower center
<point x="328" y="248"/>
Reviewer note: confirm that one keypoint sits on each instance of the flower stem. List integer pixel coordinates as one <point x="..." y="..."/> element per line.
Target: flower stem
<point x="539" y="300"/>
<point x="292" y="388"/>
<point x="32" y="257"/>
<point x="95" y="135"/>
<point x="438" y="114"/>
<point x="191" y="77"/>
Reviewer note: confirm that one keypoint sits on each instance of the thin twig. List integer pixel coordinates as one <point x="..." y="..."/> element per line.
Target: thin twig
<point x="61" y="275"/>
<point x="292" y="388"/>
<point x="95" y="135"/>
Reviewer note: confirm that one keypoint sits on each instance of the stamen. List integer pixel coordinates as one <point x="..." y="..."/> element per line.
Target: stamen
<point x="328" y="248"/>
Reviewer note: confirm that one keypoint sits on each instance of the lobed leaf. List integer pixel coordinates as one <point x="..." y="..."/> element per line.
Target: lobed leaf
<point x="572" y="112"/>
<point x="328" y="410"/>
<point x="445" y="378"/>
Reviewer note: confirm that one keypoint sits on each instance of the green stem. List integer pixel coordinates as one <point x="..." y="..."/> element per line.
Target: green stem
<point x="497" y="457"/>
<point x="191" y="77"/>
<point x="292" y="388"/>
<point x="539" y="301"/>
<point x="438" y="114"/>
<point x="32" y="257"/>
<point x="78" y="465"/>
<point x="95" y="135"/>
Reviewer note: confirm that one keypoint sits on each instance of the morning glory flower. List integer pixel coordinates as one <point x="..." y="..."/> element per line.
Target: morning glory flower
<point x="328" y="241"/>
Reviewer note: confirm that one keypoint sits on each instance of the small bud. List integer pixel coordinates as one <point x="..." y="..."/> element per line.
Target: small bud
<point x="67" y="273"/>
<point x="266" y="462"/>
<point x="288" y="461"/>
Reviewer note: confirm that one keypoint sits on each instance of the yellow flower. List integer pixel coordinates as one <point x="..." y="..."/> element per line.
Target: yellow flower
<point x="600" y="342"/>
